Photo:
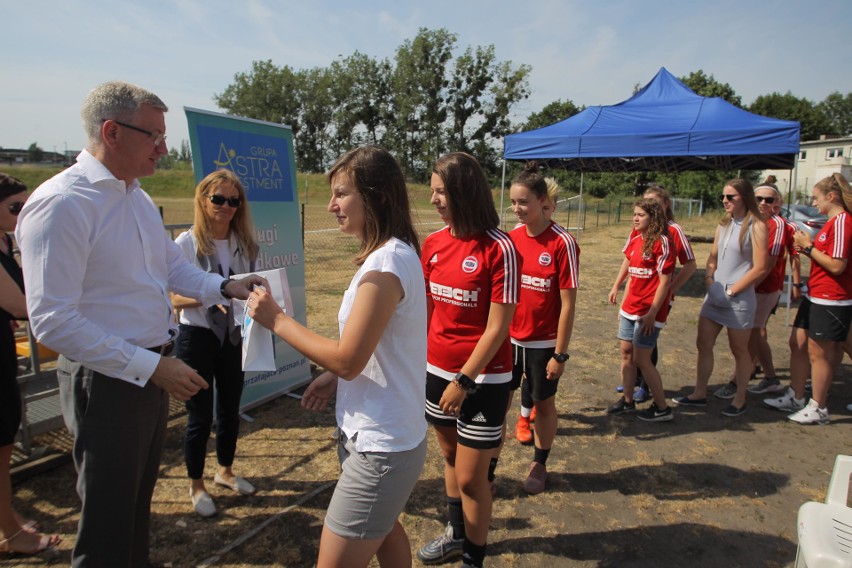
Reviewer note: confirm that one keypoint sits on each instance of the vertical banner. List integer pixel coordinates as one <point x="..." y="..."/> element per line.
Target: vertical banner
<point x="261" y="155"/>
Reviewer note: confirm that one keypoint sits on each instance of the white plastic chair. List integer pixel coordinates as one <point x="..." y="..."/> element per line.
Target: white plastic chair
<point x="825" y="529"/>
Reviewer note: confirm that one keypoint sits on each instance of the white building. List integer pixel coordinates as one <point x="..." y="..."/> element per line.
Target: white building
<point x="817" y="159"/>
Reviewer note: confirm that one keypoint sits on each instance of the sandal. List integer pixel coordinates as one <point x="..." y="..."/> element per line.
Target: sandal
<point x="45" y="542"/>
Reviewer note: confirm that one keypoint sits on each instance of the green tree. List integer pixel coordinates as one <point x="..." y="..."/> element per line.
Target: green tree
<point x="706" y="86"/>
<point x="790" y="107"/>
<point x="185" y="154"/>
<point x="837" y="110"/>
<point x="419" y="107"/>
<point x="265" y="93"/>
<point x="35" y="154"/>
<point x="552" y="113"/>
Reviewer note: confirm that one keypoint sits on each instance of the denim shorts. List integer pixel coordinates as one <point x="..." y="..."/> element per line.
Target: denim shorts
<point x="630" y="330"/>
<point x="372" y="490"/>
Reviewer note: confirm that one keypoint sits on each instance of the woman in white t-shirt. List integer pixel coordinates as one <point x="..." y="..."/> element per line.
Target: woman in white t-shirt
<point x="221" y="240"/>
<point x="376" y="368"/>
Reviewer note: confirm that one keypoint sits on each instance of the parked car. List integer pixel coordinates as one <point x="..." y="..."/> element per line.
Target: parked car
<point x="808" y="218"/>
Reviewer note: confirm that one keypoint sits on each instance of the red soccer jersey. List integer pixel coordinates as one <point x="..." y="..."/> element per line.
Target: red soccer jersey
<point x="550" y="264"/>
<point x="683" y="250"/>
<point x="834" y="240"/>
<point x="777" y="236"/>
<point x="463" y="277"/>
<point x="677" y="238"/>
<point x="644" y="271"/>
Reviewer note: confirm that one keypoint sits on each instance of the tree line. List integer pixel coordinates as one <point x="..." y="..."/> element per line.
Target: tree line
<point x="431" y="98"/>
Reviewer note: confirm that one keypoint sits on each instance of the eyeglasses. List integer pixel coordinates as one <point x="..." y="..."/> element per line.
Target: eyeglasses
<point x="729" y="196"/>
<point x="158" y="138"/>
<point x="15" y="208"/>
<point x="218" y="199"/>
<point x="768" y="200"/>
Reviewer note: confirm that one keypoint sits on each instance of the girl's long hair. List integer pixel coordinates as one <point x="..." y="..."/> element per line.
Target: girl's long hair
<point x="241" y="227"/>
<point x="380" y="182"/>
<point x="469" y="200"/>
<point x="658" y="226"/>
<point x="836" y="183"/>
<point x="752" y="215"/>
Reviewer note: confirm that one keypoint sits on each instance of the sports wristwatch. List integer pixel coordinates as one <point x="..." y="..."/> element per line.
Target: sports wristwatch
<point x="464" y="382"/>
<point x="561" y="357"/>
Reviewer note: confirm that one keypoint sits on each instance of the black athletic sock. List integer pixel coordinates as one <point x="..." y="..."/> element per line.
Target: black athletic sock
<point x="454" y="511"/>
<point x="526" y="394"/>
<point x="541" y="456"/>
<point x="491" y="467"/>
<point x="474" y="554"/>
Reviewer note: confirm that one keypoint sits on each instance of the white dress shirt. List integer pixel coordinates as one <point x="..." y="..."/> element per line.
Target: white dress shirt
<point x="98" y="266"/>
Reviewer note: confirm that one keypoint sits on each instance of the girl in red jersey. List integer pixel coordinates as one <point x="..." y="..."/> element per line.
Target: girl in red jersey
<point x="542" y="326"/>
<point x="472" y="278"/>
<point x="686" y="258"/>
<point x="780" y="242"/>
<point x="826" y="312"/>
<point x="649" y="261"/>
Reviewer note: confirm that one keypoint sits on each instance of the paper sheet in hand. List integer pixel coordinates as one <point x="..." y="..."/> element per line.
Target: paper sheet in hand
<point x="258" y="350"/>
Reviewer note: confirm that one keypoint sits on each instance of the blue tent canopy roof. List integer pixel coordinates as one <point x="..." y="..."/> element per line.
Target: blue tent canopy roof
<point x="663" y="127"/>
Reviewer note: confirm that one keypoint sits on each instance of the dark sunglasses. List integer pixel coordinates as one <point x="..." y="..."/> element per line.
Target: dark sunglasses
<point x="217" y="199"/>
<point x="729" y="196"/>
<point x="769" y="200"/>
<point x="15" y="208"/>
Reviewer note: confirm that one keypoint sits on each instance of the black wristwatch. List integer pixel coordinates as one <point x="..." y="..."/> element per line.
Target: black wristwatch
<point x="222" y="289"/>
<point x="466" y="383"/>
<point x="561" y="357"/>
<point x="807" y="250"/>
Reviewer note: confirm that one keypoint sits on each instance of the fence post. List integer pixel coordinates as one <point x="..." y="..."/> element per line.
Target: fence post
<point x="303" y="225"/>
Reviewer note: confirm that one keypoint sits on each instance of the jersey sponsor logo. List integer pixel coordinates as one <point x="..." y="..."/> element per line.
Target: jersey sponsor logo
<point x="536" y="283"/>
<point x="545" y="259"/>
<point x="639" y="272"/>
<point x="479" y="418"/>
<point x="434" y="258"/>
<point x="470" y="264"/>
<point x="822" y="237"/>
<point x="456" y="296"/>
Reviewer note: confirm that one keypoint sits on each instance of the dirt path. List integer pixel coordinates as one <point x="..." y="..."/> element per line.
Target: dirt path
<point x="702" y="491"/>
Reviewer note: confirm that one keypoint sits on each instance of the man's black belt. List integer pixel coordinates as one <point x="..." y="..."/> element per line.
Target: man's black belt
<point x="165" y="349"/>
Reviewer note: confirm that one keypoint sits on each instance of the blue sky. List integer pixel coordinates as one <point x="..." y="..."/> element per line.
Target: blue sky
<point x="53" y="53"/>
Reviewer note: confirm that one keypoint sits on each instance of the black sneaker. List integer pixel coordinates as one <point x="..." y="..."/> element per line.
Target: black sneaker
<point x="654" y="414"/>
<point x="621" y="407"/>
<point x="442" y="549"/>
<point x="686" y="401"/>
<point x="733" y="411"/>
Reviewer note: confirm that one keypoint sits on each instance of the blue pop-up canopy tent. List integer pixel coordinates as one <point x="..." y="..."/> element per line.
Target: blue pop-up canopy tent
<point x="664" y="127"/>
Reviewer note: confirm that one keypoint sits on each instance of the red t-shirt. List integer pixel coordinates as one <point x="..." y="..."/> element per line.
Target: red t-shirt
<point x="644" y="271"/>
<point x="683" y="250"/>
<point x="778" y="235"/>
<point x="463" y="277"/>
<point x="834" y="240"/>
<point x="550" y="264"/>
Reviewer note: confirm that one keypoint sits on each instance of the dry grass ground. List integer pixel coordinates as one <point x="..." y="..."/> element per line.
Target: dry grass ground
<point x="700" y="491"/>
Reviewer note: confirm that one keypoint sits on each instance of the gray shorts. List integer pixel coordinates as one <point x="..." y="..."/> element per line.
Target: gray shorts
<point x="372" y="490"/>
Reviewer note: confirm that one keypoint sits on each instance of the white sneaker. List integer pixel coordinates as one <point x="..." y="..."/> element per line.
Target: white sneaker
<point x="787" y="403"/>
<point x="811" y="414"/>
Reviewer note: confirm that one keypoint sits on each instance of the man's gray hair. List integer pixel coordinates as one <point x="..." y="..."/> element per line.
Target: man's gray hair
<point x="115" y="100"/>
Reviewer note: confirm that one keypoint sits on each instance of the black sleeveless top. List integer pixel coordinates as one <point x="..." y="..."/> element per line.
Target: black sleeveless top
<point x="8" y="357"/>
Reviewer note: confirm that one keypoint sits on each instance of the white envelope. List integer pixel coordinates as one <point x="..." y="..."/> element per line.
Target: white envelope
<point x="258" y="347"/>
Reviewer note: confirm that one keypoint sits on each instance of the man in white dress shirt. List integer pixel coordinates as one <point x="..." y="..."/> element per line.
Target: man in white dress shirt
<point x="98" y="267"/>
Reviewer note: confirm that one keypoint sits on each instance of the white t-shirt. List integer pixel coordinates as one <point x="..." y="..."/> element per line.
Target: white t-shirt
<point x="385" y="404"/>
